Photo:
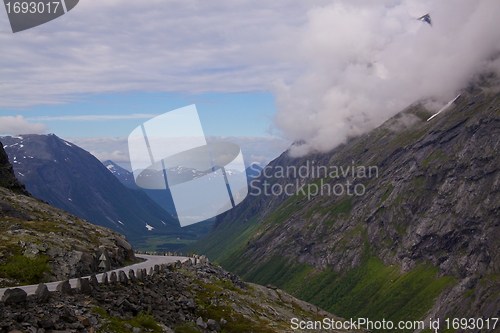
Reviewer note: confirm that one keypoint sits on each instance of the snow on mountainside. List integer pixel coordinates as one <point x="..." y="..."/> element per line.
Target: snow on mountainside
<point x="72" y="179"/>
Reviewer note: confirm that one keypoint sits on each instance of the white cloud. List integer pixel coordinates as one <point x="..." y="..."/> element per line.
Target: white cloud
<point x="115" y="156"/>
<point x="338" y="68"/>
<point x="368" y="60"/>
<point x="185" y="46"/>
<point x="254" y="149"/>
<point x="20" y="125"/>
<point x="104" y="148"/>
<point x="95" y="117"/>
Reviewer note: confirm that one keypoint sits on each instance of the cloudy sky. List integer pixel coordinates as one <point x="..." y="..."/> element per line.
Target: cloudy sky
<point x="263" y="73"/>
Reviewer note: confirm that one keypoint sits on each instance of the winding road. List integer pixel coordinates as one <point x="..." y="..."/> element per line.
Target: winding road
<point x="151" y="261"/>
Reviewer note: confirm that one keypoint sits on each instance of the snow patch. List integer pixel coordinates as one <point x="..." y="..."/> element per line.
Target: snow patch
<point x="444" y="107"/>
<point x="121" y="222"/>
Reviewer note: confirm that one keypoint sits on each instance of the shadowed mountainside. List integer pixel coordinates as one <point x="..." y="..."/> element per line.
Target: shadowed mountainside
<point x="72" y="179"/>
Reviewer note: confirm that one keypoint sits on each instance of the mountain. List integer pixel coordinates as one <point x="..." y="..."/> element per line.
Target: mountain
<point x="253" y="171"/>
<point x="162" y="197"/>
<point x="72" y="179"/>
<point x="420" y="238"/>
<point x="41" y="242"/>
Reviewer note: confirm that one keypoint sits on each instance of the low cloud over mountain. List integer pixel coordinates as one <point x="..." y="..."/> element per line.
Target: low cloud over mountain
<point x="370" y="59"/>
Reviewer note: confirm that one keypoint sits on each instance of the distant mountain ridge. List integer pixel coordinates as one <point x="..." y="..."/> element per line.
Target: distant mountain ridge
<point x="163" y="197"/>
<point x="70" y="178"/>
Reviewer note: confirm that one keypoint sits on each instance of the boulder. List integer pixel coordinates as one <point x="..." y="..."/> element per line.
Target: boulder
<point x="14" y="296"/>
<point x="113" y="278"/>
<point x="104" y="278"/>
<point x="200" y="323"/>
<point x="64" y="288"/>
<point x="93" y="281"/>
<point x="122" y="277"/>
<point x="213" y="325"/>
<point x="131" y="275"/>
<point x="83" y="286"/>
<point x="139" y="276"/>
<point x="42" y="293"/>
<point x="84" y="321"/>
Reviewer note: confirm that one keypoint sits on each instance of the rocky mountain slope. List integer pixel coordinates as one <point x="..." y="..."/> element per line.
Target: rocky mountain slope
<point x="181" y="297"/>
<point x="163" y="197"/>
<point x="421" y="241"/>
<point x="70" y="178"/>
<point x="41" y="242"/>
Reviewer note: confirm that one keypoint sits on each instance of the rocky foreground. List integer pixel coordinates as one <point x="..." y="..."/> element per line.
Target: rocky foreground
<point x="70" y="246"/>
<point x="171" y="298"/>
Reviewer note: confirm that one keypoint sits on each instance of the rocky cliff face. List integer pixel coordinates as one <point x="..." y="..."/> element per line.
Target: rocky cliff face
<point x="33" y="230"/>
<point x="421" y="241"/>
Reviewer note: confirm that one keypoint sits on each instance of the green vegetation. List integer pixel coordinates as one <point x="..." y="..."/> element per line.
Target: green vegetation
<point x="336" y="210"/>
<point x="418" y="181"/>
<point x="217" y="244"/>
<point x="24" y="269"/>
<point x="186" y="328"/>
<point x="207" y="310"/>
<point x="436" y="155"/>
<point x="288" y="276"/>
<point x="144" y="321"/>
<point x="286" y="210"/>
<point x="176" y="240"/>
<point x="342" y="209"/>
<point x="162" y="243"/>
<point x="371" y="290"/>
